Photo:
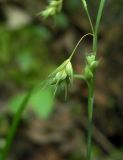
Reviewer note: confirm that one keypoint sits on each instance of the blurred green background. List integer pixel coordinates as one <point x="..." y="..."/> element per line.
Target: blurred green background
<point x="30" y="48"/>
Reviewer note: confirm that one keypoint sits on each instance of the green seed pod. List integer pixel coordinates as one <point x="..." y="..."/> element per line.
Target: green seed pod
<point x="58" y="76"/>
<point x="69" y="69"/>
<point x="63" y="75"/>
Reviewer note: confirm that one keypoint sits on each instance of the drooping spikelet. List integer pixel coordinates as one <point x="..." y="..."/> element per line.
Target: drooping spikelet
<point x="61" y="75"/>
<point x="52" y="9"/>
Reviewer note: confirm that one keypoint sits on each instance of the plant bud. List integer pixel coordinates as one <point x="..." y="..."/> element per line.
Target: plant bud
<point x="91" y="64"/>
<point x="90" y="59"/>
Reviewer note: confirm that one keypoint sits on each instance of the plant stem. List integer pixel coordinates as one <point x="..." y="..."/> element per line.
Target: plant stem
<point x="99" y="15"/>
<point x="91" y="83"/>
<point x="90" y="116"/>
<point x="14" y="126"/>
<point x="88" y="34"/>
<point x="88" y="15"/>
<point x="79" y="76"/>
<point x="90" y="21"/>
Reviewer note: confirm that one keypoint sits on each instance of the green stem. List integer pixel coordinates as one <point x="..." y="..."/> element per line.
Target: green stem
<point x="79" y="76"/>
<point x="90" y="21"/>
<point x="91" y="83"/>
<point x="79" y="43"/>
<point x="88" y="15"/>
<point x="14" y="126"/>
<point x="90" y="116"/>
<point x="99" y="15"/>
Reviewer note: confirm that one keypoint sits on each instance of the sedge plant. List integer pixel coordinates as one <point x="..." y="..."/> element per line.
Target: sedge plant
<point x="64" y="74"/>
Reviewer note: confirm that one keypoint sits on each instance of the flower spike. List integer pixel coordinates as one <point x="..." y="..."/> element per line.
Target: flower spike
<point x="61" y="75"/>
<point x="52" y="9"/>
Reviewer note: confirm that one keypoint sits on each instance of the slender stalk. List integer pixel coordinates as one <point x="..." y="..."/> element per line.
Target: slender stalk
<point x="79" y="43"/>
<point x="99" y="15"/>
<point x="90" y="21"/>
<point x="14" y="126"/>
<point x="88" y="15"/>
<point x="79" y="76"/>
<point x="91" y="83"/>
<point x="90" y="116"/>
